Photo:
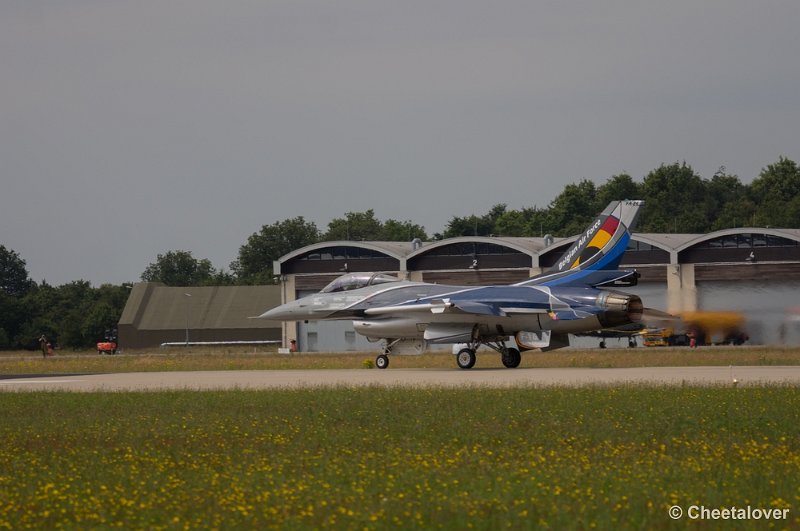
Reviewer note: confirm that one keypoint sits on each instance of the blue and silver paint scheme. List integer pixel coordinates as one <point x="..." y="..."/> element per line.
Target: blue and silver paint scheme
<point x="572" y="297"/>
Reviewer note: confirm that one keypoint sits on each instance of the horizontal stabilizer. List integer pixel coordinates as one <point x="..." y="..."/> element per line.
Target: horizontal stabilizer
<point x="588" y="279"/>
<point x="615" y="278"/>
<point x="651" y="314"/>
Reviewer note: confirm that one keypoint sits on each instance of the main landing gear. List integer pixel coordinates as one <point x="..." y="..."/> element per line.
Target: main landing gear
<point x="510" y="356"/>
<point x="465" y="358"/>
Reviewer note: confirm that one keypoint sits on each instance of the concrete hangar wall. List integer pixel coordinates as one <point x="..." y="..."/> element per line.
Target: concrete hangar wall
<point x="752" y="270"/>
<point x="156" y="314"/>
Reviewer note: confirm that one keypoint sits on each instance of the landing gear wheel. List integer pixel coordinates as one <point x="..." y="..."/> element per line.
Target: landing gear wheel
<point x="511" y="358"/>
<point x="466" y="358"/>
<point x="382" y="361"/>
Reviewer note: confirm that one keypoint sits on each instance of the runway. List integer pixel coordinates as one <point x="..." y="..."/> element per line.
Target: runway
<point x="220" y="380"/>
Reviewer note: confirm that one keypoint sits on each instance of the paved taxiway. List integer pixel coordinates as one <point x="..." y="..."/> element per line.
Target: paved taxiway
<point x="151" y="381"/>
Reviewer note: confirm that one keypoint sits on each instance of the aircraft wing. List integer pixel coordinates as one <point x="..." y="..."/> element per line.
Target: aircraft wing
<point x="440" y="307"/>
<point x="497" y="302"/>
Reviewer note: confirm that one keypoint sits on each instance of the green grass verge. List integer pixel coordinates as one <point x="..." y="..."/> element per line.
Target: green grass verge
<point x="243" y="358"/>
<point x="560" y="458"/>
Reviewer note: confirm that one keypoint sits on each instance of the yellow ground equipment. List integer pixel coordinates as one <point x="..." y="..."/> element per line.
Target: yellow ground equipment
<point x="707" y="328"/>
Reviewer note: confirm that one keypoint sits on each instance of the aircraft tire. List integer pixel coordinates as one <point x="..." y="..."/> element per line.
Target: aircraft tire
<point x="512" y="358"/>
<point x="382" y="361"/>
<point x="466" y="358"/>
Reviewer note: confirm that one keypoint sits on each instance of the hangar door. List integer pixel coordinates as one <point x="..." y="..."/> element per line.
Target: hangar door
<point x="330" y="336"/>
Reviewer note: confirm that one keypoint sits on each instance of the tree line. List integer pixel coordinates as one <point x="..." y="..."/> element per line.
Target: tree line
<point x="677" y="200"/>
<point x="75" y="315"/>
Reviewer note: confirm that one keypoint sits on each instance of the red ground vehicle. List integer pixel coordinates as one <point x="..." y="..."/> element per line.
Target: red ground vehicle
<point x="109" y="346"/>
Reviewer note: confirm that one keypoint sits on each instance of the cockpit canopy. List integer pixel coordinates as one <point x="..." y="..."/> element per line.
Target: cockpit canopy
<point x="358" y="280"/>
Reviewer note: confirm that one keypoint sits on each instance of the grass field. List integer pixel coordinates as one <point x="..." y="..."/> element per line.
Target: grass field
<point x="559" y="458"/>
<point x="398" y="457"/>
<point x="241" y="358"/>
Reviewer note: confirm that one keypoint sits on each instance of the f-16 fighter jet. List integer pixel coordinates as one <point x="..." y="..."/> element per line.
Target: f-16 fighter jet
<point x="573" y="297"/>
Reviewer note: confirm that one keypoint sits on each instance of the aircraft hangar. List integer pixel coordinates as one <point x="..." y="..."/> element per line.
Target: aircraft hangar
<point x="156" y="314"/>
<point x="755" y="271"/>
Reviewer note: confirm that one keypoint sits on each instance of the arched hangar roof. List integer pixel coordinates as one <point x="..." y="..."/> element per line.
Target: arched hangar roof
<point x="529" y="246"/>
<point x="666" y="242"/>
<point x="391" y="251"/>
<point x="392" y="255"/>
<point x="470" y="252"/>
<point x="747" y="244"/>
<point x="789" y="234"/>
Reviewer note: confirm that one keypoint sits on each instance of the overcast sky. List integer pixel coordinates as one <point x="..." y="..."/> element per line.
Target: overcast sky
<point x="128" y="129"/>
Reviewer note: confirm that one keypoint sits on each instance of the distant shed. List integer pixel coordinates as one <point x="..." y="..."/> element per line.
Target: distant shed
<point x="156" y="314"/>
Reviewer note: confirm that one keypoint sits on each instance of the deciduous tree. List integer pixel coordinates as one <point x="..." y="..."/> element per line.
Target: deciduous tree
<point x="14" y="279"/>
<point x="180" y="268"/>
<point x="401" y="231"/>
<point x="254" y="264"/>
<point x="355" y="226"/>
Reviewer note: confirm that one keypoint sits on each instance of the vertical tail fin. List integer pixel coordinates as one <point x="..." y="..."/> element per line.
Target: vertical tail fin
<point x="602" y="244"/>
<point x="599" y="248"/>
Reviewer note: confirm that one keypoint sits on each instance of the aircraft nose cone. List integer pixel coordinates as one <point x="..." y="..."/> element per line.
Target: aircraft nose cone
<point x="277" y="314"/>
<point x="300" y="310"/>
<point x="268" y="314"/>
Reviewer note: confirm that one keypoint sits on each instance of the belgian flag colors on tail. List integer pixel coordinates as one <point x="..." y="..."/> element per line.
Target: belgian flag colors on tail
<point x="599" y="248"/>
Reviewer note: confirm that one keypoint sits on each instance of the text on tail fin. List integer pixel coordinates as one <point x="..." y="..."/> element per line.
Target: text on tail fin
<point x="605" y="237"/>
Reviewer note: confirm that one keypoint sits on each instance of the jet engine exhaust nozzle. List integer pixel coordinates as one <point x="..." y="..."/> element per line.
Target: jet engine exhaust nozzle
<point x="621" y="308"/>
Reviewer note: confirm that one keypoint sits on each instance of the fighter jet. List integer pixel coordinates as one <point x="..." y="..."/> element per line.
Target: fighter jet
<point x="572" y="297"/>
